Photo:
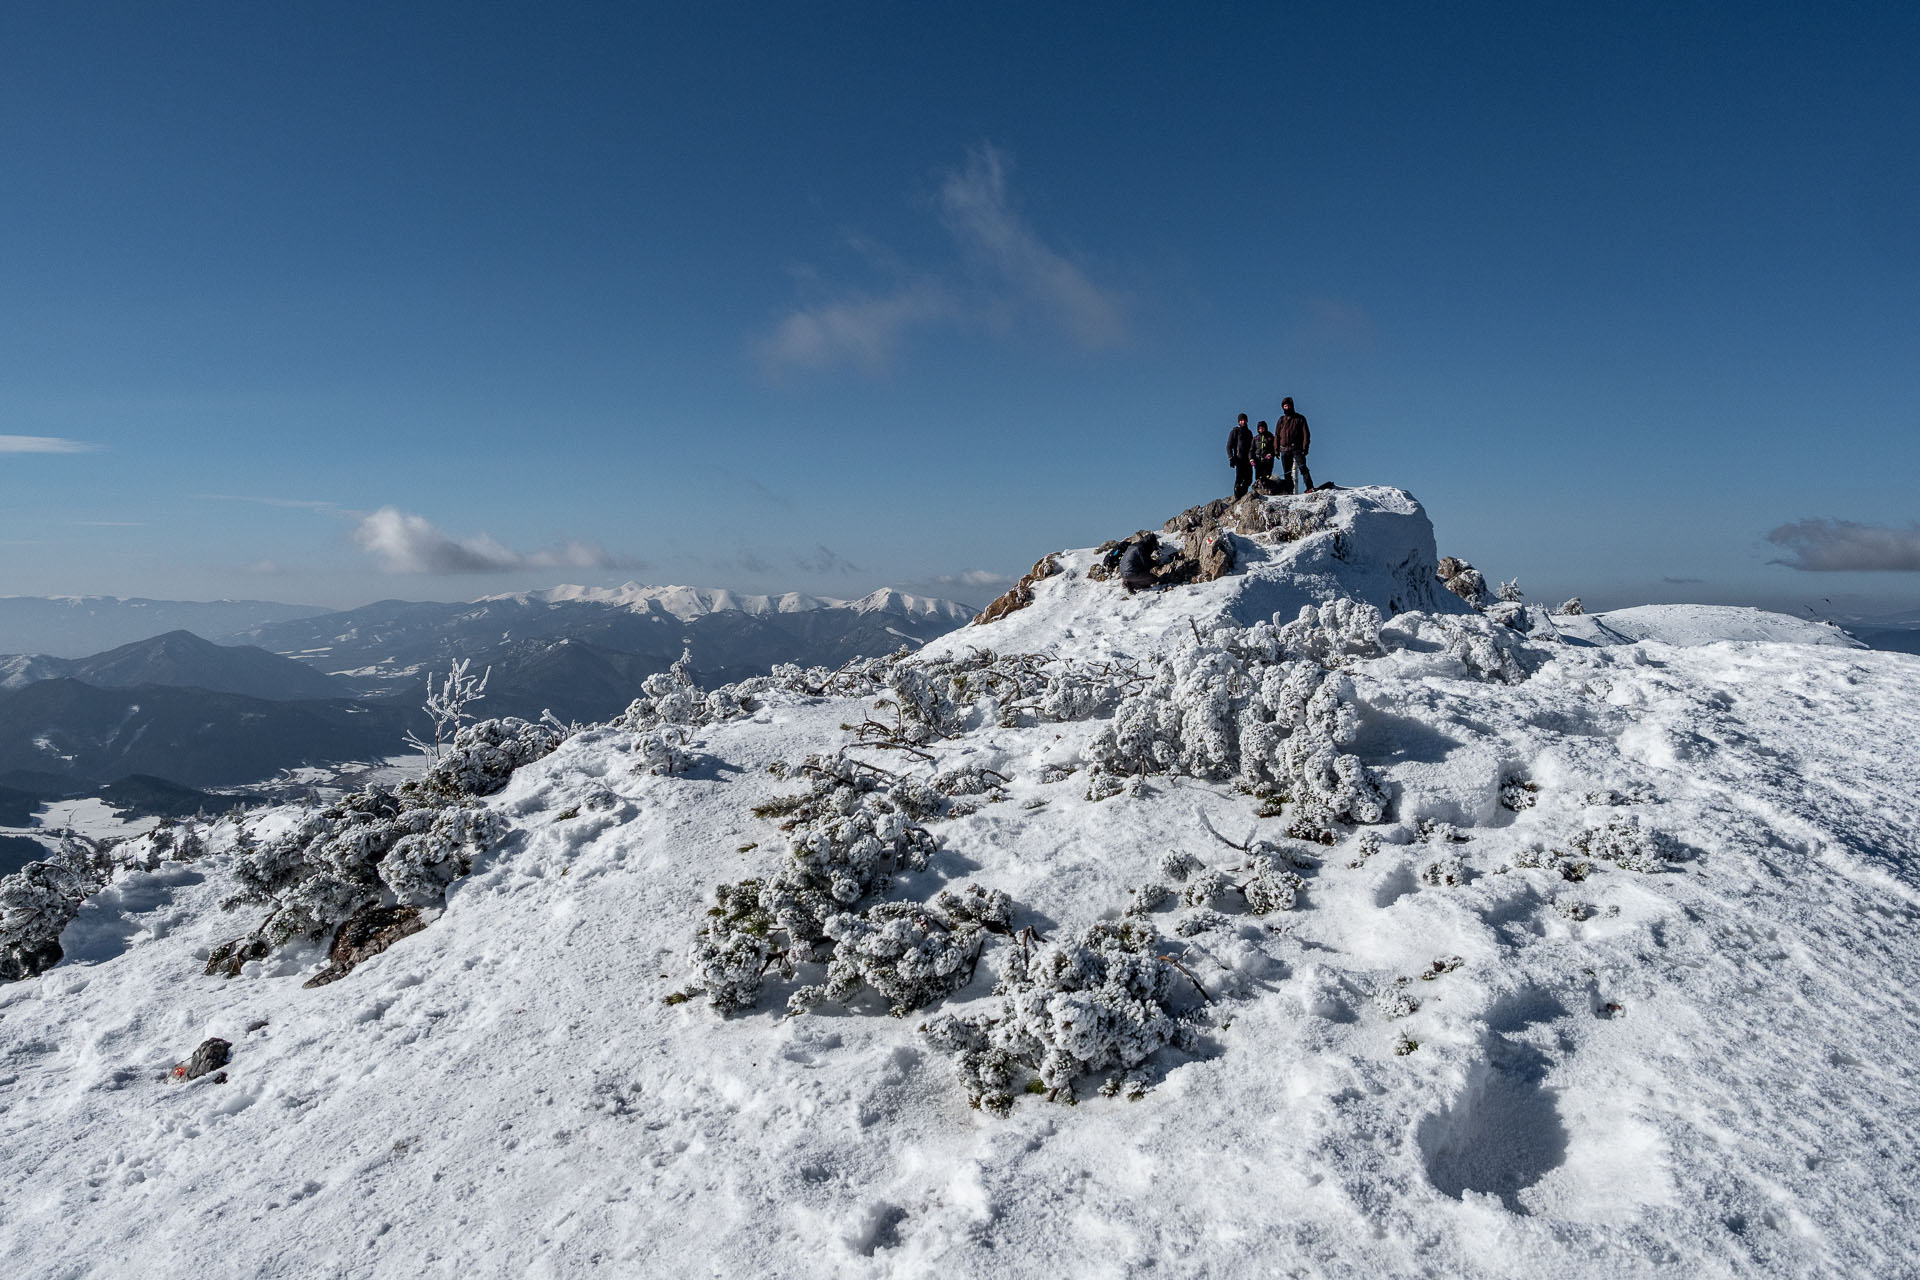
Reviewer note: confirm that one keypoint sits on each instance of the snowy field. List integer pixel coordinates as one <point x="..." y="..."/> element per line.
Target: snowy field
<point x="1624" y="983"/>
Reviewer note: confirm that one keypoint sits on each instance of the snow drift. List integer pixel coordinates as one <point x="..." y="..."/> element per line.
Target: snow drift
<point x="1307" y="921"/>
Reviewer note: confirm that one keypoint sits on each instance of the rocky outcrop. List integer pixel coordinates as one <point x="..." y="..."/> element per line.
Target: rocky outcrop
<point x="363" y="935"/>
<point x="213" y="1054"/>
<point x="1020" y="595"/>
<point x="1464" y="581"/>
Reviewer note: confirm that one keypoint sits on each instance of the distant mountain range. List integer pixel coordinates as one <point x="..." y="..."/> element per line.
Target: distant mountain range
<point x="182" y="659"/>
<point x="74" y="626"/>
<point x="298" y="687"/>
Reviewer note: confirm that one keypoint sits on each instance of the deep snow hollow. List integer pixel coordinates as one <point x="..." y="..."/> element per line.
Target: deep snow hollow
<point x="1700" y="1069"/>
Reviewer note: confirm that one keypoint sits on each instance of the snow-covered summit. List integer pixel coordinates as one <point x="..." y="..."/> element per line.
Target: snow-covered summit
<point x="1697" y="624"/>
<point x="1372" y="544"/>
<point x="688" y="603"/>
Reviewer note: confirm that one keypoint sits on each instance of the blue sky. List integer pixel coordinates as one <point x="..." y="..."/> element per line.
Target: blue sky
<point x="333" y="303"/>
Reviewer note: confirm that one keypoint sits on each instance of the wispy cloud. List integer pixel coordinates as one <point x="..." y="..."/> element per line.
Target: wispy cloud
<point x="863" y="330"/>
<point x="975" y="578"/>
<point x="977" y="211"/>
<point x="1839" y="546"/>
<point x="406" y="543"/>
<point x="45" y="444"/>
<point x="1011" y="271"/>
<point x="825" y="560"/>
<point x="297" y="504"/>
<point x="1683" y="582"/>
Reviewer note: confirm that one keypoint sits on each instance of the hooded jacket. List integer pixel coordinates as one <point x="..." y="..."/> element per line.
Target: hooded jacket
<point x="1292" y="434"/>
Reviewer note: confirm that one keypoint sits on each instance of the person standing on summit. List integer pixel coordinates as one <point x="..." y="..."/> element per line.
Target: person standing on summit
<point x="1240" y="457"/>
<point x="1293" y="439"/>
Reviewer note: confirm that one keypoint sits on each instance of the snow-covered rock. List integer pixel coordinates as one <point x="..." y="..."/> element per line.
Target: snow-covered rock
<point x="1374" y="545"/>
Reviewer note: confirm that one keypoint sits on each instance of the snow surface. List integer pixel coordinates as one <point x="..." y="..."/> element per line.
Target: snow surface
<point x="1701" y="1070"/>
<point x="1693" y="624"/>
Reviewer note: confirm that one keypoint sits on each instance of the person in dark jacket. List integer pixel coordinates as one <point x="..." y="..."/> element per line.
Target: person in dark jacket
<point x="1264" y="453"/>
<point x="1137" y="564"/>
<point x="1293" y="440"/>
<point x="1240" y="457"/>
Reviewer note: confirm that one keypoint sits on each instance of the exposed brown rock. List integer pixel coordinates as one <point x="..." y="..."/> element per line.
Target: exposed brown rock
<point x="363" y="935"/>
<point x="1020" y="595"/>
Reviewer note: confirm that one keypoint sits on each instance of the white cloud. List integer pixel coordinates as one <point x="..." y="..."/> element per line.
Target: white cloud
<point x="44" y="444"/>
<point x="974" y="204"/>
<point x="407" y="543"/>
<point x="855" y="330"/>
<point x="1841" y="546"/>
<point x="1014" y="273"/>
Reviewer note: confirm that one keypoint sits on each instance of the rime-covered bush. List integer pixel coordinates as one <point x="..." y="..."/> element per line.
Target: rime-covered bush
<point x="1484" y="649"/>
<point x="1206" y="889"/>
<point x="1272" y="886"/>
<point x="1518" y="795"/>
<point x="37" y="901"/>
<point x="662" y="751"/>
<point x="1177" y="866"/>
<point x="911" y="953"/>
<point x="1449" y="870"/>
<point x="355" y="851"/>
<point x="846" y="833"/>
<point x="1146" y="897"/>
<point x="967" y="780"/>
<point x="1335" y="634"/>
<point x="485" y="754"/>
<point x="1571" y="609"/>
<point x="1510" y="592"/>
<point x="1199" y="921"/>
<point x="1624" y="843"/>
<point x="1265" y="703"/>
<point x="1098" y="1000"/>
<point x="1394" y="1003"/>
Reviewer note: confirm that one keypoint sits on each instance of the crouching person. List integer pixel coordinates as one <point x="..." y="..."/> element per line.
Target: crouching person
<point x="1138" y="563"/>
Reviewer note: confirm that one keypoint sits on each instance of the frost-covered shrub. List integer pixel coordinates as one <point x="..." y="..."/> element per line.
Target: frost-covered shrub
<point x="911" y="953"/>
<point x="1510" y="592"/>
<point x="967" y="780"/>
<point x="1625" y="843"/>
<point x="1177" y="866"/>
<point x="1433" y="831"/>
<point x="1099" y="1000"/>
<point x="846" y="834"/>
<point x="353" y="852"/>
<point x="1146" y="897"/>
<point x="663" y="751"/>
<point x="1206" y="889"/>
<point x="484" y="755"/>
<point x="1101" y="784"/>
<point x="1200" y="921"/>
<point x="1335" y="634"/>
<point x="1260" y="703"/>
<point x="1571" y="609"/>
<point x="1517" y="794"/>
<point x="1270" y="889"/>
<point x="1485" y="649"/>
<point x="1364" y="848"/>
<point x="1392" y="1002"/>
<point x="1449" y="870"/>
<point x="1573" y="909"/>
<point x="671" y="697"/>
<point x="37" y="901"/>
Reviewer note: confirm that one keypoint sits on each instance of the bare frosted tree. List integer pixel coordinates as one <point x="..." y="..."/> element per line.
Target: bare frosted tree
<point x="447" y="707"/>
